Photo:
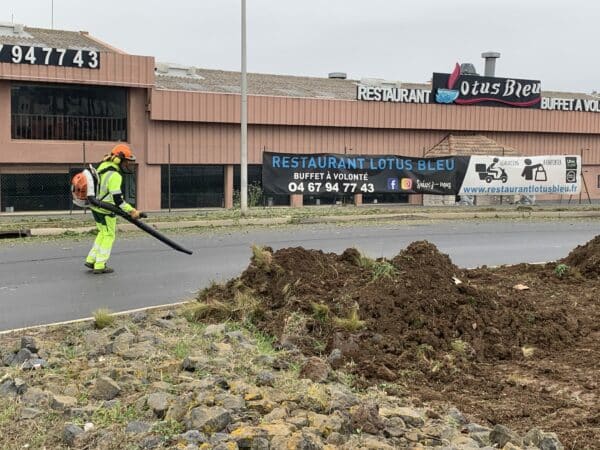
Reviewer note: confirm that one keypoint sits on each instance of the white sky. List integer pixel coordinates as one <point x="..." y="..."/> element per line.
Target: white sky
<point x="404" y="40"/>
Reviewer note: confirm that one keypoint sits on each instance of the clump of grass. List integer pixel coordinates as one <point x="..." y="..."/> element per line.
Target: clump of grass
<point x="527" y="351"/>
<point x="379" y="268"/>
<point x="561" y="270"/>
<point x="383" y="269"/>
<point x="182" y="349"/>
<point x="261" y="256"/>
<point x="103" y="318"/>
<point x="244" y="307"/>
<point x="118" y="414"/>
<point x="459" y="346"/>
<point x="168" y="428"/>
<point x="352" y="322"/>
<point x="320" y="312"/>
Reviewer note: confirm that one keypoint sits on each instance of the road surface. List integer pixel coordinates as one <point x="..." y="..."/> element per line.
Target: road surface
<point x="46" y="282"/>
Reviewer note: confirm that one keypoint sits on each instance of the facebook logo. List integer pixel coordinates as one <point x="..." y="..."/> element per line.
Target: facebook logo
<point x="392" y="184"/>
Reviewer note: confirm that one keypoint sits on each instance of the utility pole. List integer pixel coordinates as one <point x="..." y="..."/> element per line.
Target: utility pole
<point x="52" y="16"/>
<point x="244" y="123"/>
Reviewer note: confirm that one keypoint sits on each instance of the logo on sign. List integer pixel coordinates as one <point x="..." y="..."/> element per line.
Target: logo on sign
<point x="571" y="176"/>
<point x="406" y="184"/>
<point x="392" y="184"/>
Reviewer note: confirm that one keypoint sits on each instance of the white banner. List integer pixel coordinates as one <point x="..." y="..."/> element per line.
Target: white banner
<point x="531" y="175"/>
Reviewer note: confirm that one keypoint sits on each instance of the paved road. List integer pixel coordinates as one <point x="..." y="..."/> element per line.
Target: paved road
<point x="46" y="282"/>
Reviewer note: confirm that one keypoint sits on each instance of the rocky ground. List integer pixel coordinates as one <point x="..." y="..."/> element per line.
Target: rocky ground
<point x="156" y="380"/>
<point x="307" y="350"/>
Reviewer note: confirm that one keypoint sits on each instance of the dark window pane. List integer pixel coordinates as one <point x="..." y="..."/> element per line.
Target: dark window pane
<point x="195" y="186"/>
<point x="36" y="191"/>
<point x="68" y="112"/>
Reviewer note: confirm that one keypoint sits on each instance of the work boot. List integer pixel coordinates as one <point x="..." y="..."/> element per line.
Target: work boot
<point x="103" y="270"/>
<point x="89" y="265"/>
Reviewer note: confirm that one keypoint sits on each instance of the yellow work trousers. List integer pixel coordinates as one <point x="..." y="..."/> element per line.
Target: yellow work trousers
<point x="107" y="230"/>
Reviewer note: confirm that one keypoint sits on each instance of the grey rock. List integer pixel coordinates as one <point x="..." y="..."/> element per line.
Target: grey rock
<point x="34" y="397"/>
<point x="71" y="434"/>
<point x="193" y="437"/>
<point x="265" y="378"/>
<point x="341" y="398"/>
<point x="121" y="344"/>
<point x="29" y="343"/>
<point x="166" y="324"/>
<point x="140" y="350"/>
<point x="84" y="412"/>
<point x="394" y="427"/>
<point x="231" y="402"/>
<point x="22" y="356"/>
<point x="335" y="358"/>
<point x="137" y="426"/>
<point x="62" y="402"/>
<point x="30" y="413"/>
<point x="119" y="331"/>
<point x="20" y="385"/>
<point x="8" y="389"/>
<point x="544" y="441"/>
<point x="219" y="438"/>
<point x="150" y="442"/>
<point x="501" y="436"/>
<point x="34" y="364"/>
<point x="193" y="363"/>
<point x="476" y="428"/>
<point x="208" y="420"/>
<point x="7" y="358"/>
<point x="159" y="403"/>
<point x="139" y="316"/>
<point x="106" y="389"/>
<point x="457" y="416"/>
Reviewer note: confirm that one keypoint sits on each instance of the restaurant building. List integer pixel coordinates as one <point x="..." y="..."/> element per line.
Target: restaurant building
<point x="66" y="98"/>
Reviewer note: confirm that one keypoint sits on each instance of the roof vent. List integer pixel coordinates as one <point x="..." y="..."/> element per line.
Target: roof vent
<point x="337" y="75"/>
<point x="13" y="30"/>
<point x="468" y="69"/>
<point x="177" y="70"/>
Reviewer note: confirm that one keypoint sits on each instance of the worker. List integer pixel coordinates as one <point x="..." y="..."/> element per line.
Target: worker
<point x="111" y="172"/>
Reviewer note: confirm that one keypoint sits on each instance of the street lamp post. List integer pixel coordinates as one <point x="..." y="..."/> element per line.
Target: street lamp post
<point x="244" y="123"/>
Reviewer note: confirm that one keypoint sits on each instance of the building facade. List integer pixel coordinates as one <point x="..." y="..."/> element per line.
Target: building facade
<point x="66" y="98"/>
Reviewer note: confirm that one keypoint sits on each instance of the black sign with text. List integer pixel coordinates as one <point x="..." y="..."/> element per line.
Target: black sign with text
<point x="328" y="173"/>
<point x="46" y="56"/>
<point x="460" y="89"/>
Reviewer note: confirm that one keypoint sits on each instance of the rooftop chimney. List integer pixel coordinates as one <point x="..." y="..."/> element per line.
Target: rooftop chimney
<point x="490" y="63"/>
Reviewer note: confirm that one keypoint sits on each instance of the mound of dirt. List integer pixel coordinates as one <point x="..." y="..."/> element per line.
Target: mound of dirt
<point x="524" y="357"/>
<point x="586" y="258"/>
<point x="388" y="317"/>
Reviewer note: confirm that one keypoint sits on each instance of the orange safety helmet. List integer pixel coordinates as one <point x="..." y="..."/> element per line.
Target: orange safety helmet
<point x="123" y="152"/>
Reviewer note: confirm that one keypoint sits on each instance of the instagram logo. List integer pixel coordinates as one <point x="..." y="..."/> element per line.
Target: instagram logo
<point x="406" y="184"/>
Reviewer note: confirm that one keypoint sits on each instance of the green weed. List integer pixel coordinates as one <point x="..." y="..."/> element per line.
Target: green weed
<point x="103" y="318"/>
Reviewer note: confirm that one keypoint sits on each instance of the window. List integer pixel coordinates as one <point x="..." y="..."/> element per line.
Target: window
<point x="197" y="186"/>
<point x="255" y="179"/>
<point x="35" y="191"/>
<point x="68" y="112"/>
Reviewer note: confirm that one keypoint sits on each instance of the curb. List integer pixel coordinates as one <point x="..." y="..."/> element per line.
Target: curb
<point x="88" y="319"/>
<point x="287" y="220"/>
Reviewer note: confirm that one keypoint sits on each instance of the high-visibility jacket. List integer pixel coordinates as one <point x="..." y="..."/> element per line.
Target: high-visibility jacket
<point x="109" y="188"/>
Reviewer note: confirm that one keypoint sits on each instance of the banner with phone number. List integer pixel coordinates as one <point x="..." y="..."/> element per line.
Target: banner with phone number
<point x="329" y="173"/>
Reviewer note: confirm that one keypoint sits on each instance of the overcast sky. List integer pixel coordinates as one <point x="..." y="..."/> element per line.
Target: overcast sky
<point x="406" y="40"/>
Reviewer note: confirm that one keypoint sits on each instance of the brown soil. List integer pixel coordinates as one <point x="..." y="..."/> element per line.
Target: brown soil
<point x="522" y="358"/>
